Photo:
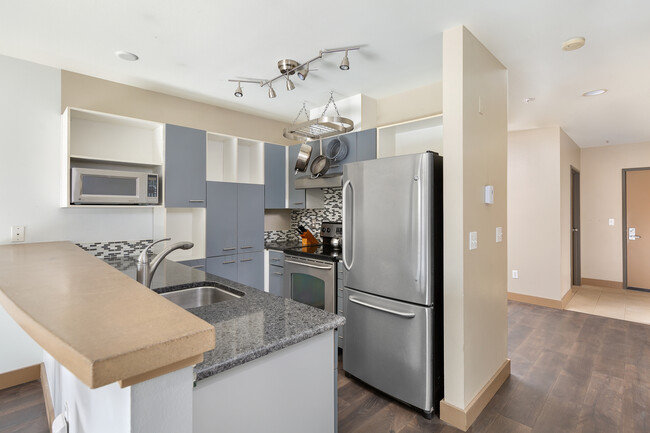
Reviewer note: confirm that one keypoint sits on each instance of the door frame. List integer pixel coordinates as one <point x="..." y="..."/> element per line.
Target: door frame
<point x="624" y="225"/>
<point x="576" y="280"/>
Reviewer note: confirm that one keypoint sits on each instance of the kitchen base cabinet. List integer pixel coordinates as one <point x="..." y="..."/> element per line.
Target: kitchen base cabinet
<point x="223" y="266"/>
<point x="246" y="268"/>
<point x="276" y="273"/>
<point x="250" y="269"/>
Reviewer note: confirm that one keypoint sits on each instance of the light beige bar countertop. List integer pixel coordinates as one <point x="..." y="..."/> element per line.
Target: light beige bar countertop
<point x="97" y="322"/>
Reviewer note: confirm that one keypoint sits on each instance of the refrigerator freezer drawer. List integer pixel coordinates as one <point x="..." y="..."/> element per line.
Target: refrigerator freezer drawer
<point x="389" y="345"/>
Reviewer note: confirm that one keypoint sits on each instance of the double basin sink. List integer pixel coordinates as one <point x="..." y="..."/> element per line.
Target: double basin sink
<point x="200" y="296"/>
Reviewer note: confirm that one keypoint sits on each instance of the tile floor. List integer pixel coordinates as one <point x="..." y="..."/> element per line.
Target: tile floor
<point x="631" y="305"/>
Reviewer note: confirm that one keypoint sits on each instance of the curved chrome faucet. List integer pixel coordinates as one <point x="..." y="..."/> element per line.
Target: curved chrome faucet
<point x="147" y="268"/>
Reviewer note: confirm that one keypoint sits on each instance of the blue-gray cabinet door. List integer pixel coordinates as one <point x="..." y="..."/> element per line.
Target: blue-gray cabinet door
<point x="367" y="145"/>
<point x="250" y="217"/>
<point x="184" y="167"/>
<point x="221" y="219"/>
<point x="350" y="141"/>
<point x="276" y="280"/>
<point x="224" y="267"/>
<point x="296" y="199"/>
<point x="194" y="264"/>
<point x="250" y="269"/>
<point x="275" y="174"/>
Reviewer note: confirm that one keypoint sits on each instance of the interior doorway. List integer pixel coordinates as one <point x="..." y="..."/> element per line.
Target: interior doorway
<point x="636" y="228"/>
<point x="576" y="276"/>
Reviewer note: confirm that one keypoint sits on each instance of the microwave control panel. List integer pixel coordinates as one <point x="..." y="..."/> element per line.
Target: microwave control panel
<point x="152" y="187"/>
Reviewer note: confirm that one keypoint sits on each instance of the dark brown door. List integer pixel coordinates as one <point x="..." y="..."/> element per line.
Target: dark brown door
<point x="576" y="276"/>
<point x="637" y="202"/>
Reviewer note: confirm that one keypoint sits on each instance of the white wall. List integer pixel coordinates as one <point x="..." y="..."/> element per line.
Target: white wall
<point x="30" y="110"/>
<point x="533" y="212"/>
<point x="475" y="155"/>
<point x="602" y="198"/>
<point x="539" y="211"/>
<point x="569" y="157"/>
<point x="162" y="404"/>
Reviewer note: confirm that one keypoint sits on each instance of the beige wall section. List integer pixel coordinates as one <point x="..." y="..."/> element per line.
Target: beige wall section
<point x="569" y="157"/>
<point x="82" y="91"/>
<point x="533" y="212"/>
<point x="277" y="219"/>
<point x="414" y="104"/>
<point x="475" y="149"/>
<point x="601" y="196"/>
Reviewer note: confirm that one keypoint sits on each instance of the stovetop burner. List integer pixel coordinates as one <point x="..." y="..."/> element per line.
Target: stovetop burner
<point x="322" y="251"/>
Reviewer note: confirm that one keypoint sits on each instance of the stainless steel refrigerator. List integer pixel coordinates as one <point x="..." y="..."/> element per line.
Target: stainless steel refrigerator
<point x="392" y="258"/>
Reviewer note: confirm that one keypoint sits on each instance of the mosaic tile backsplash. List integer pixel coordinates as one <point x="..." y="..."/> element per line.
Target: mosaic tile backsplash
<point x="311" y="218"/>
<point x="109" y="250"/>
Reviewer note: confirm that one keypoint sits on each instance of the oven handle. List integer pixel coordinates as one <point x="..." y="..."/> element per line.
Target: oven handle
<point x="327" y="268"/>
<point x="385" y="310"/>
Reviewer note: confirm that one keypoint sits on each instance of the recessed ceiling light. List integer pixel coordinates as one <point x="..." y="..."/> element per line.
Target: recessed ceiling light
<point x="594" y="92"/>
<point x="529" y="100"/>
<point x="573" y="44"/>
<point x="125" y="55"/>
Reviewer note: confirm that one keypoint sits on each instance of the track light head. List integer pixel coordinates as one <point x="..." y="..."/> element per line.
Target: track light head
<point x="303" y="71"/>
<point x="290" y="85"/>
<point x="238" y="92"/>
<point x="345" y="63"/>
<point x="271" y="92"/>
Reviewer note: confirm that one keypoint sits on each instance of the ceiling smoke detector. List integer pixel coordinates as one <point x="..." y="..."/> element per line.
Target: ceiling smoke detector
<point x="594" y="92"/>
<point x="573" y="44"/>
<point x="125" y="55"/>
<point x="287" y="66"/>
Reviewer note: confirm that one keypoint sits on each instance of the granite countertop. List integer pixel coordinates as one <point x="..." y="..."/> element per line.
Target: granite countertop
<point x="246" y="328"/>
<point x="282" y="245"/>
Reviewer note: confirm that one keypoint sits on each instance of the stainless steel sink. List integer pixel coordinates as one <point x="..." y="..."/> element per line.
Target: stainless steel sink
<point x="199" y="296"/>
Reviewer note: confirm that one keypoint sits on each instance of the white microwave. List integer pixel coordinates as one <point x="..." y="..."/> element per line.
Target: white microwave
<point x="93" y="186"/>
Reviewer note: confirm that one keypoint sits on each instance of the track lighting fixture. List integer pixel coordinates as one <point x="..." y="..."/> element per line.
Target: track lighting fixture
<point x="303" y="71"/>
<point x="289" y="67"/>
<point x="345" y="63"/>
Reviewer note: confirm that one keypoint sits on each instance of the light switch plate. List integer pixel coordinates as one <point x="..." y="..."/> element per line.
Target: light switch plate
<point x="473" y="240"/>
<point x="499" y="234"/>
<point x="515" y="273"/>
<point x="611" y="221"/>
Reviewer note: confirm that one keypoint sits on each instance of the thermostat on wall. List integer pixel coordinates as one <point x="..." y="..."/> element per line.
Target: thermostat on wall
<point x="489" y="194"/>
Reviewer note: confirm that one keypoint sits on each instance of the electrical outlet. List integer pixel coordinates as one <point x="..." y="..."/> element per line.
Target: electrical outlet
<point x="473" y="240"/>
<point x="499" y="234"/>
<point x="515" y="273"/>
<point x="17" y="233"/>
<point x="611" y="221"/>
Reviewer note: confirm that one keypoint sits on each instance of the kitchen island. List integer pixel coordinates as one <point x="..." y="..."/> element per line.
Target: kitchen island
<point x="267" y="356"/>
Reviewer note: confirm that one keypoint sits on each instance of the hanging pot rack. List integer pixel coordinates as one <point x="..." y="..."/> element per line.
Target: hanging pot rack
<point x="322" y="127"/>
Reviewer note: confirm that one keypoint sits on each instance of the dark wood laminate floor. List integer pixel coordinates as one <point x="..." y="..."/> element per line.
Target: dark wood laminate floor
<point x="22" y="409"/>
<point x="571" y="372"/>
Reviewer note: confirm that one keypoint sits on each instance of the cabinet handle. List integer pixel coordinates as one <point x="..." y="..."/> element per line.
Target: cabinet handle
<point x="246" y="247"/>
<point x="300" y="202"/>
<point x="229" y="249"/>
<point x="227" y="263"/>
<point x="246" y="260"/>
<point x="198" y="266"/>
<point x="278" y="273"/>
<point x="275" y="260"/>
<point x="197" y="201"/>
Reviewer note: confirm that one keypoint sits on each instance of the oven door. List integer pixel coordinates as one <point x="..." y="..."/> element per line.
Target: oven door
<point x="312" y="282"/>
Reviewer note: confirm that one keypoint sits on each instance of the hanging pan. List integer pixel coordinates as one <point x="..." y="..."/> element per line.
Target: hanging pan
<point x="321" y="164"/>
<point x="303" y="158"/>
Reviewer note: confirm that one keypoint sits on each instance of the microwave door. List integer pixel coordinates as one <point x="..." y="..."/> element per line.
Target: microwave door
<point x="92" y="186"/>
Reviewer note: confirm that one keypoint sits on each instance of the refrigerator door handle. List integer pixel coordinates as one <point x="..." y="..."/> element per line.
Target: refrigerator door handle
<point x="348" y="220"/>
<point x="419" y="239"/>
<point x="385" y="310"/>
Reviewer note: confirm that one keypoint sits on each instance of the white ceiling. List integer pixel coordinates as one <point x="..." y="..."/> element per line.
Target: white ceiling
<point x="192" y="48"/>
